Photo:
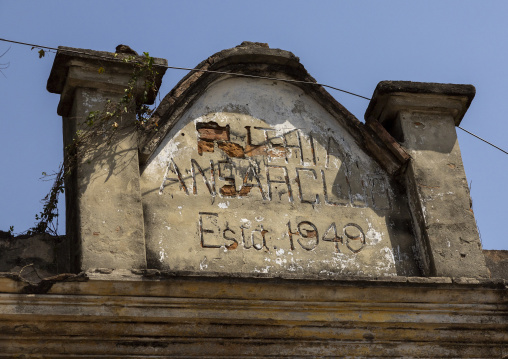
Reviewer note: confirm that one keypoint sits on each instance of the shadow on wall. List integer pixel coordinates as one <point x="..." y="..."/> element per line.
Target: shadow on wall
<point x="34" y="258"/>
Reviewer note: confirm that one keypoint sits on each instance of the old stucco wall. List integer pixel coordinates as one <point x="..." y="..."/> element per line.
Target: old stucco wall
<point x="258" y="177"/>
<point x="238" y="168"/>
<point x="34" y="258"/>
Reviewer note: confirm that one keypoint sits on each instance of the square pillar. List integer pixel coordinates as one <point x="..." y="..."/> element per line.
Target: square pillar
<point x="422" y="117"/>
<point x="104" y="213"/>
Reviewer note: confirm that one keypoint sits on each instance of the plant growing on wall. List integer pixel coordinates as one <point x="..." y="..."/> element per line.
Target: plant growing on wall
<point x="102" y="123"/>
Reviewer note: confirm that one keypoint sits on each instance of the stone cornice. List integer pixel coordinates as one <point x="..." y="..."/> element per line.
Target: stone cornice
<point x="219" y="316"/>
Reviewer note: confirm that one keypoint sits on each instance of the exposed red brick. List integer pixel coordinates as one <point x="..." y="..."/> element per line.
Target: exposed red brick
<point x="278" y="151"/>
<point x="232" y="246"/>
<point x="232" y="149"/>
<point x="204" y="146"/>
<point x="258" y="150"/>
<point x="228" y="191"/>
<point x="244" y="190"/>
<point x="211" y="131"/>
<point x="210" y="134"/>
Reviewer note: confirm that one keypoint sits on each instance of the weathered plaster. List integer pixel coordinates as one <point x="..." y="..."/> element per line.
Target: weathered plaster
<point x="203" y="301"/>
<point x="302" y="142"/>
<point x="423" y="118"/>
<point x="103" y="202"/>
<point x="166" y="315"/>
<point x="242" y="167"/>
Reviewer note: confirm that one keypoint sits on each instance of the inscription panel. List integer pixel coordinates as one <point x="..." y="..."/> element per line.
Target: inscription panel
<point x="264" y="180"/>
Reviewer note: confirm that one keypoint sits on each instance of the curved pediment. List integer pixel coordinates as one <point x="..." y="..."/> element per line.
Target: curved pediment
<point x="259" y="61"/>
<point x="270" y="177"/>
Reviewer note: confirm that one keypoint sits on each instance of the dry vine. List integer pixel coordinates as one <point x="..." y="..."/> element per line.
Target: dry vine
<point x="99" y="123"/>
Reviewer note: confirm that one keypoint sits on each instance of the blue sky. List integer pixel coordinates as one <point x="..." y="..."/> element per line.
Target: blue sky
<point x="348" y="44"/>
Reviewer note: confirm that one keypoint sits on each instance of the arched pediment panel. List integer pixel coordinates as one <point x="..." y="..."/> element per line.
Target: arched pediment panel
<point x="257" y="176"/>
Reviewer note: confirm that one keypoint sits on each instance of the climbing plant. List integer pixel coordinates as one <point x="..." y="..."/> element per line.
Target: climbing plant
<point x="102" y="123"/>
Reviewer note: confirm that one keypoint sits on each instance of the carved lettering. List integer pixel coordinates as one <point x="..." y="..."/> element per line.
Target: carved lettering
<point x="289" y="147"/>
<point x="324" y="173"/>
<point x="179" y="178"/>
<point x="233" y="245"/>
<point x="334" y="188"/>
<point x="285" y="181"/>
<point x="291" y="234"/>
<point x="341" y="190"/>
<point x="335" y="239"/>
<point x="274" y="150"/>
<point x="212" y="217"/>
<point x="228" y="190"/>
<point x="262" y="232"/>
<point x="250" y="175"/>
<point x="355" y="237"/>
<point x="312" y="234"/>
<point x="211" y="187"/>
<point x="300" y="187"/>
<point x="306" y="234"/>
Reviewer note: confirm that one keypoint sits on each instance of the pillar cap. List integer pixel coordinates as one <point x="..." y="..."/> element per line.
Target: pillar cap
<point x="390" y="97"/>
<point x="75" y="68"/>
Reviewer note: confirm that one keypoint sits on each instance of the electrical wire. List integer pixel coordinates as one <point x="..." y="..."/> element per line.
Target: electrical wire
<point x="478" y="137"/>
<point x="190" y="69"/>
<point x="228" y="73"/>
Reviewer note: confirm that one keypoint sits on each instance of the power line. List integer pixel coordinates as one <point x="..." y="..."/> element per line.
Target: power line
<point x="478" y="137"/>
<point x="190" y="69"/>
<point x="229" y="73"/>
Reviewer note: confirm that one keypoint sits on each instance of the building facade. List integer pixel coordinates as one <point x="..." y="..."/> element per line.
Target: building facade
<point x="255" y="217"/>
